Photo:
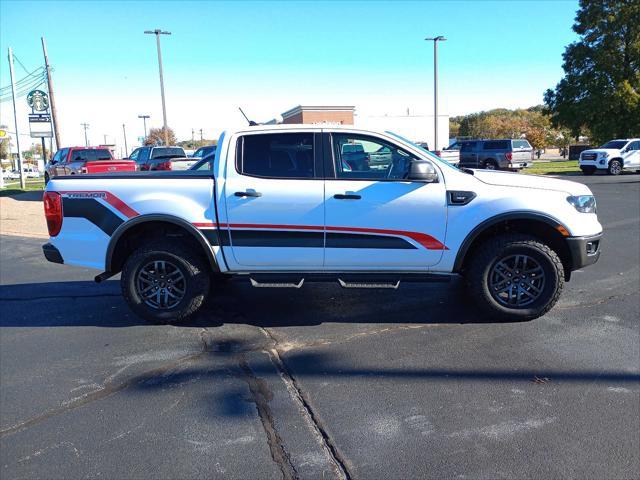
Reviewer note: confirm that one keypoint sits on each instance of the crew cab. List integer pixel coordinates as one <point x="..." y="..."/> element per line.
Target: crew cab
<point x="613" y="157"/>
<point x="85" y="160"/>
<point x="162" y="158"/>
<point x="283" y="205"/>
<point x="506" y="154"/>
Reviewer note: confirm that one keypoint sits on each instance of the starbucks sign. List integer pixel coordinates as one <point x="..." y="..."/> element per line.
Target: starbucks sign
<point x="38" y="100"/>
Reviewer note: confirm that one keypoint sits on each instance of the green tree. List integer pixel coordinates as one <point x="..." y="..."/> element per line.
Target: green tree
<point x="601" y="86"/>
<point x="156" y="137"/>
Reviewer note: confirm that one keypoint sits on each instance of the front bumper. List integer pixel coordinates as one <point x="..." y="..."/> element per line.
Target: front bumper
<point x="584" y="250"/>
<point x="518" y="165"/>
<point x="51" y="253"/>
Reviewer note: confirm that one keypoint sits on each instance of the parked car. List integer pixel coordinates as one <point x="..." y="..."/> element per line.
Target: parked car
<point x="612" y="157"/>
<point x="85" y="160"/>
<point x="11" y="174"/>
<point x="204" y="151"/>
<point x="161" y="158"/>
<point x="506" y="154"/>
<point x="278" y="210"/>
<point x="30" y="172"/>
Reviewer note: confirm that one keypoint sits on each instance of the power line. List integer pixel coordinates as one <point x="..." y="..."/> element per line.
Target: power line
<point x="20" y="63"/>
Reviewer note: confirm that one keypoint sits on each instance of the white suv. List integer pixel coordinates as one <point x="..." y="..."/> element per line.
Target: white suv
<point x="614" y="156"/>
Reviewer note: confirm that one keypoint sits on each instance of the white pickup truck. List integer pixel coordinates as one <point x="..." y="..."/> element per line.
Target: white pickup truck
<point x="284" y="205"/>
<point x="612" y="157"/>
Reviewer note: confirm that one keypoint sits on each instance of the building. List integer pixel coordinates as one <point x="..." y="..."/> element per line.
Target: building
<point x="334" y="115"/>
<point x="417" y="128"/>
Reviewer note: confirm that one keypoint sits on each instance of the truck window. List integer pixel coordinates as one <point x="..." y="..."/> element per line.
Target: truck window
<point x="468" y="146"/>
<point x="361" y="157"/>
<point x="520" y="144"/>
<point x="279" y="155"/>
<point x="167" y="152"/>
<point x="496" y="145"/>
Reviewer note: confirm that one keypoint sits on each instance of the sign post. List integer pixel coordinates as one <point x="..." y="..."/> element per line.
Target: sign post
<point x="15" y="118"/>
<point x="40" y="123"/>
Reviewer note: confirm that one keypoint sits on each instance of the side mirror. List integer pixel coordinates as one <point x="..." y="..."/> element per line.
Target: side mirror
<point x="421" y="170"/>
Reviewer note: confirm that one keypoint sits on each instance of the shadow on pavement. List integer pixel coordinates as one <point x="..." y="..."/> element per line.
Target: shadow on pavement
<point x="84" y="303"/>
<point x="19" y="195"/>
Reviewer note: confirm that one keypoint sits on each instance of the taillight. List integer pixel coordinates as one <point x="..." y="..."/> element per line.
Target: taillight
<point x="83" y="170"/>
<point x="53" y="212"/>
<point x="164" y="166"/>
<point x="508" y="156"/>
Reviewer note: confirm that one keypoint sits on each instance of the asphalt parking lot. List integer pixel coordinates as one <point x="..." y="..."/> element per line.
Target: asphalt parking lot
<point x="323" y="382"/>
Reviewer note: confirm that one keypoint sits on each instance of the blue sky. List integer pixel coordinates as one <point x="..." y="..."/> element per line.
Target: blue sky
<point x="270" y="56"/>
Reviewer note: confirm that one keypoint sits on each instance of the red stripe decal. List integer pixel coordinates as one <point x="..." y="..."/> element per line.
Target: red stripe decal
<point x="108" y="197"/>
<point x="427" y="241"/>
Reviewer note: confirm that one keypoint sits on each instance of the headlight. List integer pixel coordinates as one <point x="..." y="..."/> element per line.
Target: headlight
<point x="583" y="203"/>
<point x="604" y="155"/>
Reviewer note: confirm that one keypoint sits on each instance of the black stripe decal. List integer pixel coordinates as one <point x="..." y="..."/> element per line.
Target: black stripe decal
<point x="292" y="238"/>
<point x="92" y="210"/>
<point x="271" y="238"/>
<point x="360" y="240"/>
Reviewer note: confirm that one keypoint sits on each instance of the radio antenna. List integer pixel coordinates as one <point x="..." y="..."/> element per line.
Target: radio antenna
<point x="251" y="122"/>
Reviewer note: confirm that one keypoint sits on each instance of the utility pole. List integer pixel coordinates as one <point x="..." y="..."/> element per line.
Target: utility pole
<point x="157" y="32"/>
<point x="15" y="119"/>
<point x="105" y="138"/>
<point x="200" y="134"/>
<point x="192" y="134"/>
<point x="435" y="40"/>
<point x="126" y="149"/>
<point x="52" y="98"/>
<point x="144" y="121"/>
<point x="86" y="141"/>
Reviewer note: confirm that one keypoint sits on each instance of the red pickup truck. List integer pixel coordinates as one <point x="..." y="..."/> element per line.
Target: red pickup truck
<point x="79" y="160"/>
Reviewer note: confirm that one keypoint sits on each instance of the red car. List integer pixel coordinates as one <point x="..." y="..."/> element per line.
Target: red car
<point x="79" y="160"/>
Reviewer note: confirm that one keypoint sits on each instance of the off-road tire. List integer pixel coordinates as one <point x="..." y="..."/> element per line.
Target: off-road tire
<point x="495" y="249"/>
<point x="193" y="267"/>
<point x="615" y="167"/>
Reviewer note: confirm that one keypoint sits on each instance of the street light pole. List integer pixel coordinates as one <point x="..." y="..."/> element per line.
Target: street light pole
<point x="144" y="122"/>
<point x="435" y="40"/>
<point x="15" y="120"/>
<point x="126" y="149"/>
<point x="157" y="32"/>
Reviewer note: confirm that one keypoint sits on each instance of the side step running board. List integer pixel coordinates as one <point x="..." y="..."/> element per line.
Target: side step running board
<point x="258" y="284"/>
<point x="391" y="285"/>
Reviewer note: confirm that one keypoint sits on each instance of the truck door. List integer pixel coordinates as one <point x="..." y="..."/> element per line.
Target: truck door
<point x="631" y="156"/>
<point x="375" y="218"/>
<point x="274" y="194"/>
<point x="469" y="155"/>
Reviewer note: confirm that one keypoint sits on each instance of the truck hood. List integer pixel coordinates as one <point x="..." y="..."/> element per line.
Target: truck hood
<point x="510" y="179"/>
<point x="610" y="151"/>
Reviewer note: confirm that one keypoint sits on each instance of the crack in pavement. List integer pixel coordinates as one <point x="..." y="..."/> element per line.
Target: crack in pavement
<point x="261" y="396"/>
<point x="339" y="463"/>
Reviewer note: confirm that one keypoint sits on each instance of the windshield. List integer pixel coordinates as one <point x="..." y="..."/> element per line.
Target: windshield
<point x="616" y="144"/>
<point x="429" y="154"/>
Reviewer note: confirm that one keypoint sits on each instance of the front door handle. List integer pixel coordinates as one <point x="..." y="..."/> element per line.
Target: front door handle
<point x="347" y="196"/>
<point x="248" y="193"/>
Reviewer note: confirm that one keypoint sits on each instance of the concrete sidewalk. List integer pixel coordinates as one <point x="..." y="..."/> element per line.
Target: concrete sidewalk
<point x="23" y="215"/>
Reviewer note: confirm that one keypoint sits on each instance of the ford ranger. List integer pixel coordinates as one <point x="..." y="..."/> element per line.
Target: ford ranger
<point x="281" y="206"/>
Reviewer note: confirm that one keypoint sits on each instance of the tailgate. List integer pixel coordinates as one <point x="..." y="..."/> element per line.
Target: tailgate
<point x="107" y="166"/>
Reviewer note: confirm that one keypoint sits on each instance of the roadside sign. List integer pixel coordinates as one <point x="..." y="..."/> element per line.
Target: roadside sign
<point x="3" y="133"/>
<point x="40" y="125"/>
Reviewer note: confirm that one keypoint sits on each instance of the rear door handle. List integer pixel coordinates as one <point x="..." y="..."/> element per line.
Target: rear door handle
<point x="347" y="196"/>
<point x="248" y="193"/>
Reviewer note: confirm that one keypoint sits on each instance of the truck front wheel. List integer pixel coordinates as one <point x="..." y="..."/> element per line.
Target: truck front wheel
<point x="164" y="282"/>
<point x="515" y="277"/>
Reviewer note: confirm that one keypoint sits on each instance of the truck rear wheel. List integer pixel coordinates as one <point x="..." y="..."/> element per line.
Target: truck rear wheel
<point x="515" y="277"/>
<point x="164" y="282"/>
